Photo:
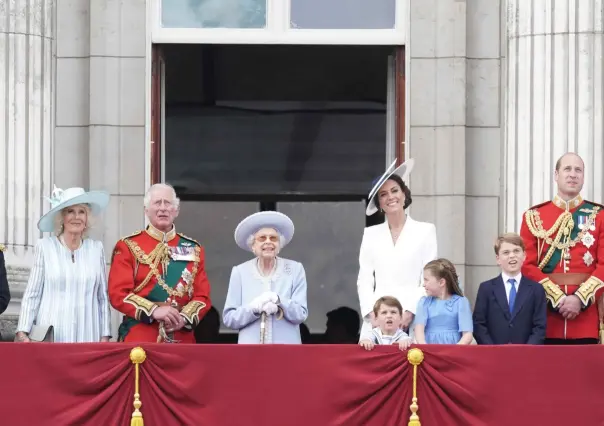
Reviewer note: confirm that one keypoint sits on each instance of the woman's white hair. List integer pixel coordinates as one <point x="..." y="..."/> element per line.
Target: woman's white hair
<point x="252" y="238"/>
<point x="59" y="226"/>
<point x="154" y="187"/>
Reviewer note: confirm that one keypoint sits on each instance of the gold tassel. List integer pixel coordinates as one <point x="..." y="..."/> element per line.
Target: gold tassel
<point x="137" y="356"/>
<point x="415" y="357"/>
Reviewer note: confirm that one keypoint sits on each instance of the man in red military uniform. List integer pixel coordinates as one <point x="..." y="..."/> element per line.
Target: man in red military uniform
<point x="564" y="241"/>
<point x="157" y="277"/>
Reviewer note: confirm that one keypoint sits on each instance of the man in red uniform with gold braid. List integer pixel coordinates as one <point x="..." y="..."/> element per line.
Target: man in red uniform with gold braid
<point x="564" y="254"/>
<point x="157" y="277"/>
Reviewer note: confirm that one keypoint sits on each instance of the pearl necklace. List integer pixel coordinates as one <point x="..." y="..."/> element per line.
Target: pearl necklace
<point x="260" y="271"/>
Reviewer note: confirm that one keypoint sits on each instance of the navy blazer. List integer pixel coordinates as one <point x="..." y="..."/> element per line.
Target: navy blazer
<point x="493" y="323"/>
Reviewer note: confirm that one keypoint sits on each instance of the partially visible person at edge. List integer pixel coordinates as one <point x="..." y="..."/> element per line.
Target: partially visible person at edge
<point x="158" y="278"/>
<point x="564" y="241"/>
<point x="393" y="254"/>
<point x="266" y="299"/>
<point x="4" y="290"/>
<point x="67" y="286"/>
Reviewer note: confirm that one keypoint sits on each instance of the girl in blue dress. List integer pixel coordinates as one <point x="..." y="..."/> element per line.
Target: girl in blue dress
<point x="443" y="315"/>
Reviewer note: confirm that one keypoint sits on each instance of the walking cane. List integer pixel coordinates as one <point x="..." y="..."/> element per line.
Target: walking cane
<point x="263" y="328"/>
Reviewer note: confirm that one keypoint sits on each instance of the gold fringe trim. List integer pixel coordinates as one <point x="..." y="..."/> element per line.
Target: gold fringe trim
<point x="137" y="356"/>
<point x="415" y="357"/>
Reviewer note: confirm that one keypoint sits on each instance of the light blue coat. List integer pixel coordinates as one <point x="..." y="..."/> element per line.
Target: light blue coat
<point x="288" y="281"/>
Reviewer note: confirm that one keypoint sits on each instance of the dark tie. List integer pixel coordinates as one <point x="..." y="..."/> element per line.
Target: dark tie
<point x="512" y="281"/>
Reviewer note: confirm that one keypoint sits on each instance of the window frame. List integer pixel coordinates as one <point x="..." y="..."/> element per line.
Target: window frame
<point x="278" y="30"/>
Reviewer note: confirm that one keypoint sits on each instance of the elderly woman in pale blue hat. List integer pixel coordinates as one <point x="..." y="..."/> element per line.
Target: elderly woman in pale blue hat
<point x="66" y="296"/>
<point x="266" y="299"/>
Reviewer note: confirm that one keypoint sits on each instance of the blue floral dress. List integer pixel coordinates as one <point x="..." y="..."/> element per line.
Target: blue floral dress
<point x="444" y="320"/>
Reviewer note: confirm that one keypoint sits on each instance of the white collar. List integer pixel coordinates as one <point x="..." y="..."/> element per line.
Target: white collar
<point x="506" y="277"/>
<point x="394" y="338"/>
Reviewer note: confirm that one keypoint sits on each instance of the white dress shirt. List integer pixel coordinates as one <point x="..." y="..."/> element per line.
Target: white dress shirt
<point x="508" y="286"/>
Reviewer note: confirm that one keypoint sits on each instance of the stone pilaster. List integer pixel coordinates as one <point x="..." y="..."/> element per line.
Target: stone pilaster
<point x="26" y="139"/>
<point x="117" y="107"/>
<point x="554" y="98"/>
<point x="455" y="129"/>
<point x="483" y="140"/>
<point x="437" y="69"/>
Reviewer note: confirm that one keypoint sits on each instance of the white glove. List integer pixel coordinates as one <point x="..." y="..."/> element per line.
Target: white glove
<point x="270" y="296"/>
<point x="256" y="304"/>
<point x="270" y="308"/>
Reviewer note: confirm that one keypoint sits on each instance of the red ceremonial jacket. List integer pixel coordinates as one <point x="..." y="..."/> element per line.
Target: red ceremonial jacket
<point x="564" y="254"/>
<point x="147" y="272"/>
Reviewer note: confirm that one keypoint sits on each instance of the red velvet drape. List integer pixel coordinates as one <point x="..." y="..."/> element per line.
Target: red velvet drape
<point x="223" y="385"/>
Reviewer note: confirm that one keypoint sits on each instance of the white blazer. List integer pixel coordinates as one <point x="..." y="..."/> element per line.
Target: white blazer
<point x="397" y="268"/>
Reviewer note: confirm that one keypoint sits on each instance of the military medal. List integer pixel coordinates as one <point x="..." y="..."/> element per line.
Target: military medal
<point x="182" y="253"/>
<point x="187" y="276"/>
<point x="588" y="240"/>
<point x="588" y="258"/>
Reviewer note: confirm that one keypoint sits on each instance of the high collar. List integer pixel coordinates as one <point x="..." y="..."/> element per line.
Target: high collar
<point x="568" y="205"/>
<point x="159" y="235"/>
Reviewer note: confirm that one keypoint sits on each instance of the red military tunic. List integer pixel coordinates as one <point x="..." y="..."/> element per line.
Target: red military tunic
<point x="564" y="254"/>
<point x="147" y="273"/>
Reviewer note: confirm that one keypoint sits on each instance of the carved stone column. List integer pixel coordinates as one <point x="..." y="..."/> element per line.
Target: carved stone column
<point x="26" y="81"/>
<point x="554" y="98"/>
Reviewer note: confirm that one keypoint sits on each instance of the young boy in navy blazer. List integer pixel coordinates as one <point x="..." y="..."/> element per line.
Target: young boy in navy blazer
<point x="510" y="308"/>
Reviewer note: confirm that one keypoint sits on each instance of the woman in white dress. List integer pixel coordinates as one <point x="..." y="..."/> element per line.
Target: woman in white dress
<point x="393" y="254"/>
<point x="67" y="287"/>
<point x="266" y="300"/>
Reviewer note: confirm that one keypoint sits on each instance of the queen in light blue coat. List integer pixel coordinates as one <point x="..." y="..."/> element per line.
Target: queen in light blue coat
<point x="266" y="299"/>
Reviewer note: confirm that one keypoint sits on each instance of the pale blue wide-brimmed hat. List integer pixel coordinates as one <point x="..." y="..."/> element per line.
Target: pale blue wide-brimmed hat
<point x="59" y="199"/>
<point x="403" y="171"/>
<point x="268" y="219"/>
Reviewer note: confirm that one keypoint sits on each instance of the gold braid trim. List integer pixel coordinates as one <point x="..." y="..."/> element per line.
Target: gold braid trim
<point x="553" y="293"/>
<point x="160" y="254"/>
<point x="141" y="304"/>
<point x="562" y="227"/>
<point x="191" y="310"/>
<point x="2" y="247"/>
<point x="587" y="290"/>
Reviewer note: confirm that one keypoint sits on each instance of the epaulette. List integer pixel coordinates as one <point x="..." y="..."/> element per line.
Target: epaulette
<point x="132" y="235"/>
<point x="2" y="247"/>
<point x="536" y="206"/>
<point x="595" y="204"/>
<point x="189" y="238"/>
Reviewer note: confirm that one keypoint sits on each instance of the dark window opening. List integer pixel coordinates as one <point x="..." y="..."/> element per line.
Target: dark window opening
<point x="273" y="123"/>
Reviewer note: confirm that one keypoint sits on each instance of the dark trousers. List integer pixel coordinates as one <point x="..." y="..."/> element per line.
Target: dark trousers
<point x="585" y="341"/>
